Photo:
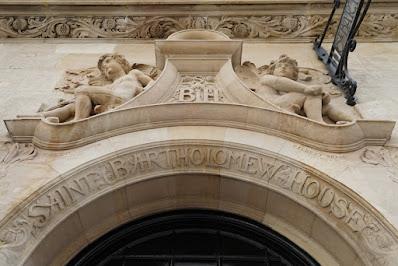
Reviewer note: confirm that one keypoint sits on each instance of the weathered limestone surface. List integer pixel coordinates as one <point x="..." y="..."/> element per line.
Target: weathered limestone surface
<point x="368" y="179"/>
<point x="289" y="20"/>
<point x="29" y="72"/>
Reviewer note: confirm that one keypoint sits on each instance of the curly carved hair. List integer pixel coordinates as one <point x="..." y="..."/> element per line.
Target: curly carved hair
<point x="118" y="58"/>
<point x="284" y="59"/>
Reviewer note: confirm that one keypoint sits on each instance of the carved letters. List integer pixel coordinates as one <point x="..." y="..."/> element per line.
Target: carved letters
<point x="197" y="88"/>
<point x="230" y="160"/>
<point x="284" y="176"/>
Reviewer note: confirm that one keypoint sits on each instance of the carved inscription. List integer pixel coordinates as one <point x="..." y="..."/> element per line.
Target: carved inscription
<point x="186" y="157"/>
<point x="69" y="193"/>
<point x="197" y="88"/>
<point x="322" y="155"/>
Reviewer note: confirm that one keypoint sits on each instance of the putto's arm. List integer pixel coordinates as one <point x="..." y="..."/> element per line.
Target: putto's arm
<point x="141" y="77"/>
<point x="90" y="88"/>
<point x="288" y="85"/>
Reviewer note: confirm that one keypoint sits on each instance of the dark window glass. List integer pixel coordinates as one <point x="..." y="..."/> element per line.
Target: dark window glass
<point x="193" y="238"/>
<point x="195" y="263"/>
<point x="198" y="242"/>
<point x="145" y="263"/>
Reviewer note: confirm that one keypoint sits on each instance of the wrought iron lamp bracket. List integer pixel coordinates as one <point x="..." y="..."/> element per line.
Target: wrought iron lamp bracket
<point x="336" y="60"/>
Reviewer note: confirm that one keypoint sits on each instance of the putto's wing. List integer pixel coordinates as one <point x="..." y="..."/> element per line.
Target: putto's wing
<point x="262" y="70"/>
<point x="75" y="78"/>
<point x="310" y="76"/>
<point x="149" y="70"/>
<point x="248" y="73"/>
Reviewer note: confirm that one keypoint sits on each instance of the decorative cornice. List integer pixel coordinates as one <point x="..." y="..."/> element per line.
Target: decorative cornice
<point x="285" y="21"/>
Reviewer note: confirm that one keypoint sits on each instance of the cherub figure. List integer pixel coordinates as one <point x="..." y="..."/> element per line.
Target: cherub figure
<point x="126" y="83"/>
<point x="280" y="86"/>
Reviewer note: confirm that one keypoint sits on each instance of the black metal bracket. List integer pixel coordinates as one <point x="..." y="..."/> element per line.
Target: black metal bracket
<point x="336" y="60"/>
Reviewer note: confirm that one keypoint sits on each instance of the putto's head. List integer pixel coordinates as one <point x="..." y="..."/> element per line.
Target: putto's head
<point x="284" y="67"/>
<point x="112" y="66"/>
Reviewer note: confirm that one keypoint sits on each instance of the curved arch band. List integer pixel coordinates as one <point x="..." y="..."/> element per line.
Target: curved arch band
<point x="335" y="224"/>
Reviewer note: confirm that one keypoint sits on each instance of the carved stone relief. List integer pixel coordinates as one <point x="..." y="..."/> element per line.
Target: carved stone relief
<point x="277" y="27"/>
<point x="74" y="78"/>
<point x="346" y="210"/>
<point x="99" y="89"/>
<point x="212" y="93"/>
<point x="303" y="91"/>
<point x="16" y="152"/>
<point x="198" y="88"/>
<point x="383" y="157"/>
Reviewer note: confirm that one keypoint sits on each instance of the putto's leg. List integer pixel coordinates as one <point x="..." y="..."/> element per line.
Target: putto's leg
<point x="338" y="116"/>
<point x="83" y="106"/>
<point x="292" y="102"/>
<point x="62" y="113"/>
<point x="313" y="108"/>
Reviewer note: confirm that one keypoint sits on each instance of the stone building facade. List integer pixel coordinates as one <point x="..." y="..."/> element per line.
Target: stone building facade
<point x="207" y="123"/>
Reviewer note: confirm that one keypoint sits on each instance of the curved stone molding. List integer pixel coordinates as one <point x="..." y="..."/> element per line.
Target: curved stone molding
<point x="374" y="240"/>
<point x="333" y="138"/>
<point x="297" y="28"/>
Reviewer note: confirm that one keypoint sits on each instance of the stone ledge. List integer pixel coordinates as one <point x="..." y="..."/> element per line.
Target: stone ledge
<point x="168" y="2"/>
<point x="155" y="2"/>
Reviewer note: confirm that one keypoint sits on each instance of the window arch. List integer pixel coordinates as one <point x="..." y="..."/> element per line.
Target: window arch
<point x="193" y="238"/>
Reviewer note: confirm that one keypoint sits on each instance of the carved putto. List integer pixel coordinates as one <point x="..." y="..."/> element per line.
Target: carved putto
<point x="202" y="83"/>
<point x="100" y="89"/>
<point x="294" y="90"/>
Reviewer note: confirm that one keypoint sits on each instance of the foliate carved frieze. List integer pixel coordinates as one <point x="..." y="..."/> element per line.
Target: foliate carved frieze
<point x="333" y="202"/>
<point x="278" y="27"/>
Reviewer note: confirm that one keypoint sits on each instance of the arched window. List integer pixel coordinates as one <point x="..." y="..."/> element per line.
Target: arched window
<point x="193" y="238"/>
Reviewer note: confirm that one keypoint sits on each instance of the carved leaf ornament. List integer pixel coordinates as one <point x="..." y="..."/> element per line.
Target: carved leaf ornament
<point x="17" y="153"/>
<point x="262" y="27"/>
<point x="382" y="157"/>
